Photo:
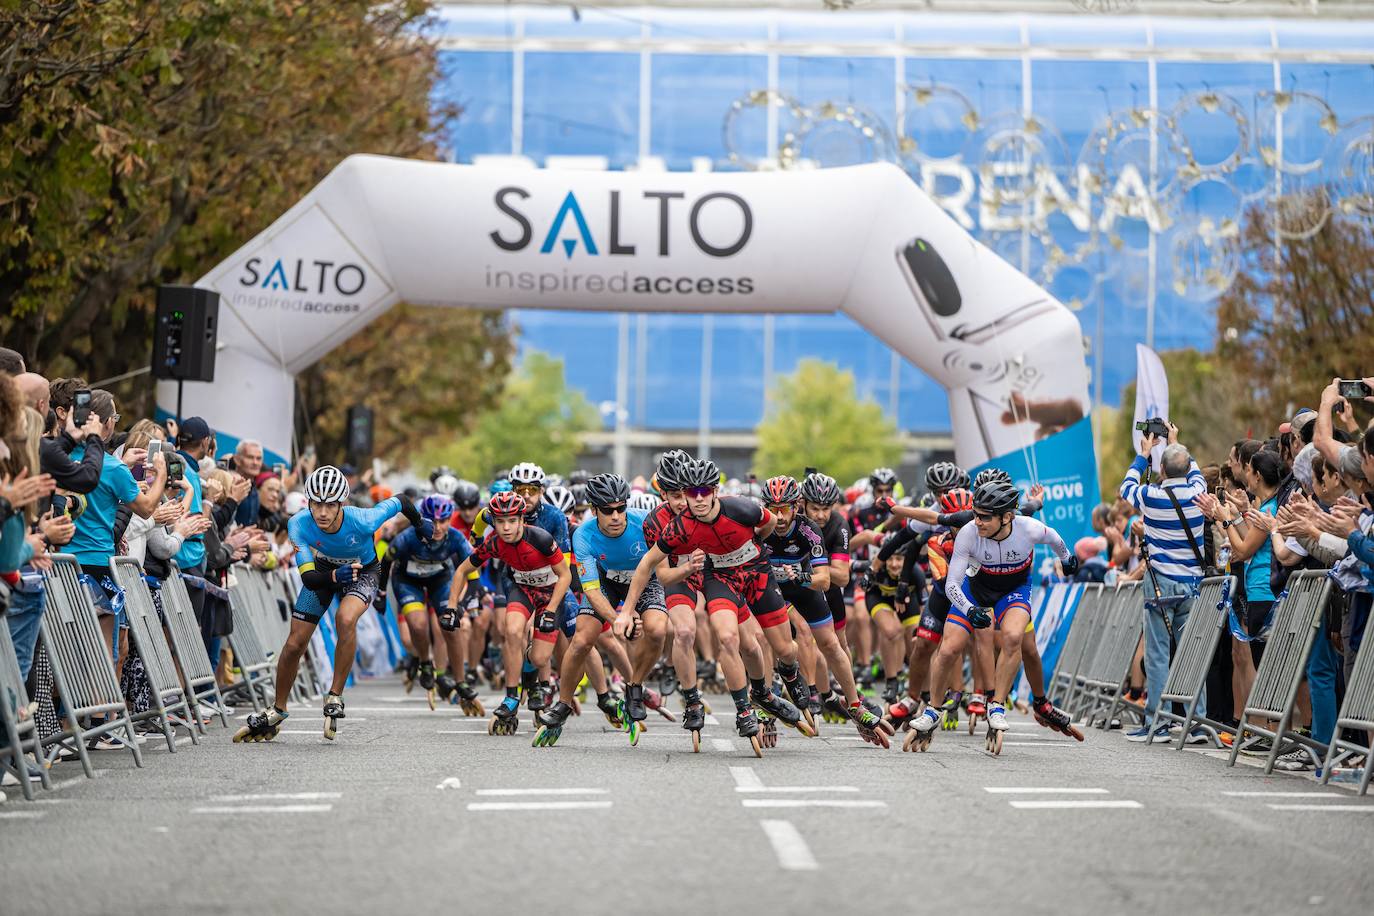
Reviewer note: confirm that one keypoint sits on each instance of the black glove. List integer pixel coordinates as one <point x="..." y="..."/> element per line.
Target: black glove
<point x="903" y="593"/>
<point x="866" y="581"/>
<point x="1070" y="566"/>
<point x="449" y="618"/>
<point x="379" y="601"/>
<point x="343" y="575"/>
<point x="981" y="618"/>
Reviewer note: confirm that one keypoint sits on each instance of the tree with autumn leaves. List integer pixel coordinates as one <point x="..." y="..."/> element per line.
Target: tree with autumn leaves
<point x="141" y="143"/>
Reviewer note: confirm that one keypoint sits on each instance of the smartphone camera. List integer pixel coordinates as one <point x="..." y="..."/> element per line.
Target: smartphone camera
<point x="81" y="407"/>
<point x="1354" y="389"/>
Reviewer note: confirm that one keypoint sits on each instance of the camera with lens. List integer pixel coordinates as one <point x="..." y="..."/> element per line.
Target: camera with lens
<point x="1154" y="427"/>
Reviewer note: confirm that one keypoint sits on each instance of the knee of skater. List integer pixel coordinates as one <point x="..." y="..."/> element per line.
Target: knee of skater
<point x="684" y="636"/>
<point x="730" y="643"/>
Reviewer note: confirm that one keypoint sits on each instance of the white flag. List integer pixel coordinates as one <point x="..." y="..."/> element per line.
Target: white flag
<point x="1151" y="393"/>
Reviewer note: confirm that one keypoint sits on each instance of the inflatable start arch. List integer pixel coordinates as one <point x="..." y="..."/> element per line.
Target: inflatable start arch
<point x="864" y="240"/>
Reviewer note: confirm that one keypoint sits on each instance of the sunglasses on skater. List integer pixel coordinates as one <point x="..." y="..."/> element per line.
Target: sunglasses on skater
<point x="528" y="490"/>
<point x="700" y="492"/>
<point x="984" y="516"/>
<point x="611" y="510"/>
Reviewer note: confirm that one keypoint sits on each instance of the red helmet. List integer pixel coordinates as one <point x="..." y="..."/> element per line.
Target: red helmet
<point x="959" y="500"/>
<point x="781" y="491"/>
<point x="506" y="505"/>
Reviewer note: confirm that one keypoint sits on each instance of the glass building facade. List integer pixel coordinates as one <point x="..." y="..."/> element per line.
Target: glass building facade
<point x="1110" y="157"/>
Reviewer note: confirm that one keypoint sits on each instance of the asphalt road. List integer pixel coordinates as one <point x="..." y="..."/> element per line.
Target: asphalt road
<point x="411" y="810"/>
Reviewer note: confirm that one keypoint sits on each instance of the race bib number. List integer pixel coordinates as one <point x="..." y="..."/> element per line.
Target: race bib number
<point x="544" y="575"/>
<point x="621" y="576"/>
<point x="423" y="569"/>
<point x="737" y="557"/>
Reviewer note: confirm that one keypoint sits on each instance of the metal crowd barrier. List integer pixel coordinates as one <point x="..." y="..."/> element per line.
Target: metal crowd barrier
<point x="1107" y="609"/>
<point x="250" y="651"/>
<point x="1071" y="656"/>
<point x="82" y="667"/>
<point x="197" y="669"/>
<point x="1357" y="711"/>
<point x="17" y="715"/>
<point x="1281" y="670"/>
<point x="170" y="706"/>
<point x="1192" y="659"/>
<point x="1111" y="662"/>
<point x="269" y="604"/>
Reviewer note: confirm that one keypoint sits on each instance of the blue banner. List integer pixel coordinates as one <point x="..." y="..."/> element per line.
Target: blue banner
<point x="1065" y="464"/>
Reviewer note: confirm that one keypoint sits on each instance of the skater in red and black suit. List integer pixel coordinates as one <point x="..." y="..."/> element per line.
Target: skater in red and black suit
<point x="738" y="584"/>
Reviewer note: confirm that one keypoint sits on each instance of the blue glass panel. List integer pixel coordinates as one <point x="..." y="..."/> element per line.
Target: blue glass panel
<point x="1170" y="32"/>
<point x="479" y="83"/>
<point x="922" y="404"/>
<point x="943" y="29"/>
<point x="672" y="382"/>
<point x="842" y="26"/>
<point x="585" y="341"/>
<point x="1325" y="36"/>
<point x="582" y="105"/>
<point x="736" y="371"/>
<point x="687" y="25"/>
<point x="462" y="21"/>
<point x="573" y="21"/>
<point x="691" y="94"/>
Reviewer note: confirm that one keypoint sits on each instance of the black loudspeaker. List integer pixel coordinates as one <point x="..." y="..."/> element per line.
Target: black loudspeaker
<point x="184" y="333"/>
<point x="359" y="435"/>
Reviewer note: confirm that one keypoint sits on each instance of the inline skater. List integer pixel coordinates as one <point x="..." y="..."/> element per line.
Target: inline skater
<point x="868" y="519"/>
<point x="539" y="582"/>
<point x="988" y="585"/>
<point x="894" y="590"/>
<point x="820" y="494"/>
<point x="681" y="578"/>
<point x="798" y="556"/>
<point x="607" y="552"/>
<point x="736" y="581"/>
<point x="337" y="562"/>
<point x="422" y="573"/>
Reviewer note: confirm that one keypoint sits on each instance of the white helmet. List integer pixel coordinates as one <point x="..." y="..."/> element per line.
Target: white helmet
<point x="527" y="472"/>
<point x="561" y="497"/>
<point x="642" y="500"/>
<point x="295" y="502"/>
<point x="327" y="485"/>
<point x="446" y="484"/>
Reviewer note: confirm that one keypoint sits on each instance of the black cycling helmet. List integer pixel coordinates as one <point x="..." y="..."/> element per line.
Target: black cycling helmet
<point x="578" y="476"/>
<point x="883" y="477"/>
<point x="579" y="492"/>
<point x="440" y="471"/>
<point x="996" y="497"/>
<point x="945" y="475"/>
<point x="466" y="495"/>
<point x="987" y="474"/>
<point x="700" y="472"/>
<point x="820" y="489"/>
<point x="607" y="489"/>
<point x="671" y="466"/>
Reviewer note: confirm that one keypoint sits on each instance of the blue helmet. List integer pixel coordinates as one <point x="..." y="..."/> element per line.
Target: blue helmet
<point x="437" y="507"/>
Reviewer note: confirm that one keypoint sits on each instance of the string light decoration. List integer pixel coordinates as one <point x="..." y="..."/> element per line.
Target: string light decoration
<point x="928" y="112"/>
<point x="1204" y="114"/>
<point x="837" y="134"/>
<point x="792" y="119"/>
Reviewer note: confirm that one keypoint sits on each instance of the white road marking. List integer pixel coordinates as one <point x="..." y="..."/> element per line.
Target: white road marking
<point x="263" y="809"/>
<point x="1042" y="790"/>
<point x="538" y="806"/>
<point x="789" y="846"/>
<point x="1039" y="743"/>
<point x="745" y="778"/>
<point x="452" y="782"/>
<point x="810" y="803"/>
<point x="21" y="815"/>
<point x="1368" y="809"/>
<point x="844" y="738"/>
<point x="724" y="745"/>
<point x="797" y="789"/>
<point x="302" y="731"/>
<point x="1066" y="803"/>
<point x="712" y="720"/>
<point x="284" y="796"/>
<point x="461" y="731"/>
<point x="564" y="791"/>
<point x="74" y="780"/>
<point x="1314" y="794"/>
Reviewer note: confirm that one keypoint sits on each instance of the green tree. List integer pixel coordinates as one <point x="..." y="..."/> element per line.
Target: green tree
<point x="536" y="417"/>
<point x="141" y="143"/>
<point x="815" y="419"/>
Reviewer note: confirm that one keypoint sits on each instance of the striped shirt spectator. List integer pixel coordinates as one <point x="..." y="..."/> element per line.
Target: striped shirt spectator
<point x="1170" y="553"/>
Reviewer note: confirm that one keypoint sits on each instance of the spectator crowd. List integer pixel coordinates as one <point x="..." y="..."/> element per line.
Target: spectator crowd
<point x="1300" y="498"/>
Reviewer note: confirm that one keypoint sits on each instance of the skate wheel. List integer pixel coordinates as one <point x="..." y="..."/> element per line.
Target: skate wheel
<point x="994" y="743"/>
<point x="331" y="728"/>
<point x="810" y="720"/>
<point x="491" y="726"/>
<point x="757" y="745"/>
<point x="666" y="713"/>
<point x="633" y="730"/>
<point x="909" y="743"/>
<point x="429" y="695"/>
<point x="696" y="742"/>
<point x="706" y="707"/>
<point x="576" y="707"/>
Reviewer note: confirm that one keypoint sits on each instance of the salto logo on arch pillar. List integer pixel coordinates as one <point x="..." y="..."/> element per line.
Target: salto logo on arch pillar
<point x="308" y="267"/>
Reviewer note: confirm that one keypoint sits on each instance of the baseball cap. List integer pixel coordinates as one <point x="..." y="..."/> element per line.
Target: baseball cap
<point x="1300" y="419"/>
<point x="193" y="429"/>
